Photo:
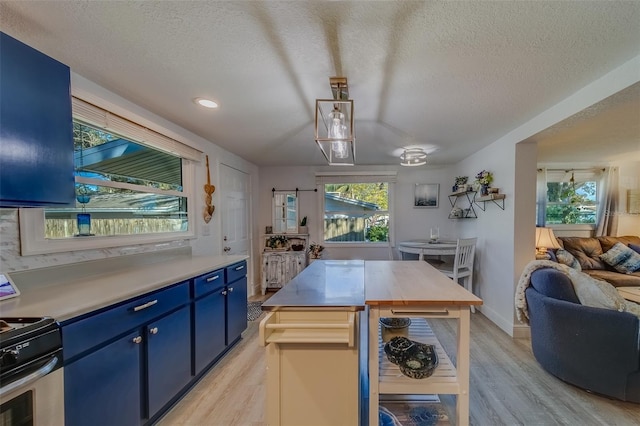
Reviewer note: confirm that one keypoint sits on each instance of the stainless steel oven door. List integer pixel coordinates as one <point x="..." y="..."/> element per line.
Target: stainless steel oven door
<point x="36" y="399"/>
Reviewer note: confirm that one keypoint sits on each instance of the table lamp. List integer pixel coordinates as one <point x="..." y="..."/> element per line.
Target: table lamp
<point x="545" y="240"/>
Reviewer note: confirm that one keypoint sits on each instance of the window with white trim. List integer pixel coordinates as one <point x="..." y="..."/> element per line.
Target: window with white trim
<point x="571" y="197"/>
<point x="357" y="208"/>
<point x="133" y="183"/>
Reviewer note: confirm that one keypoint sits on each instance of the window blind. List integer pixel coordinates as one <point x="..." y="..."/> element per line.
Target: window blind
<point x="101" y="118"/>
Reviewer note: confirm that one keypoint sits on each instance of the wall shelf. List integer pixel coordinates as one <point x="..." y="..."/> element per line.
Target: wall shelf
<point x="464" y="201"/>
<point x="498" y="200"/>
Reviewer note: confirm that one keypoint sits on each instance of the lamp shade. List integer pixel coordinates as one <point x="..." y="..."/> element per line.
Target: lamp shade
<point x="546" y="239"/>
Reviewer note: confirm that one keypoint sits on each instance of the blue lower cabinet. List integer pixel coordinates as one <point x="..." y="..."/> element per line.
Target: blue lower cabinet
<point x="103" y="388"/>
<point x="168" y="358"/>
<point x="236" y="309"/>
<point x="209" y="329"/>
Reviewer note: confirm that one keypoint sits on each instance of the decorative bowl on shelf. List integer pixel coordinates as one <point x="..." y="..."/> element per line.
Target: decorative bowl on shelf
<point x="395" y="323"/>
<point x="419" y="361"/>
<point x="396" y="348"/>
<point x="297" y="247"/>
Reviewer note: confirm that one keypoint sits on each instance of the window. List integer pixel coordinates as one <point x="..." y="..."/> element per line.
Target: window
<point x="357" y="208"/>
<point x="133" y="183"/>
<point x="571" y="197"/>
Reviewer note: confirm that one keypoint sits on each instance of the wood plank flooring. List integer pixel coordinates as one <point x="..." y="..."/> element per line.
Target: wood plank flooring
<point x="507" y="387"/>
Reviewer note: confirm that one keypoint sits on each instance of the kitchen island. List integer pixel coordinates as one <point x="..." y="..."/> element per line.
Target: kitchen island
<point x="316" y="316"/>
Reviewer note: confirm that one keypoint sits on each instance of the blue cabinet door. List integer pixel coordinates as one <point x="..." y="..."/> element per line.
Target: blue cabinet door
<point x="103" y="388"/>
<point x="168" y="358"/>
<point x="236" y="309"/>
<point x="36" y="135"/>
<point x="209" y="328"/>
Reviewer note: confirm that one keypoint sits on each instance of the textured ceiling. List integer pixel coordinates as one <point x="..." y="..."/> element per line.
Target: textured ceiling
<point x="450" y="77"/>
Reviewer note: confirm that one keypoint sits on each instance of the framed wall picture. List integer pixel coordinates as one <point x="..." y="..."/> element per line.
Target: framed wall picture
<point x="426" y="195"/>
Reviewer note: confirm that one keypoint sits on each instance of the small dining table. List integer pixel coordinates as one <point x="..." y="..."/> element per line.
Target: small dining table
<point x="428" y="247"/>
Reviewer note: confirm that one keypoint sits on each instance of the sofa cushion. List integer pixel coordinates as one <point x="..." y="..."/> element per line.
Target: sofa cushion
<point x="586" y="250"/>
<point x="566" y="258"/>
<point x="634" y="247"/>
<point x="607" y="242"/>
<point x="614" y="278"/>
<point x="622" y="258"/>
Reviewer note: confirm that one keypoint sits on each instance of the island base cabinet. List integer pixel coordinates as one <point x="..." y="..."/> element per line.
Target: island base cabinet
<point x="103" y="388"/>
<point x="312" y="368"/>
<point x="168" y="358"/>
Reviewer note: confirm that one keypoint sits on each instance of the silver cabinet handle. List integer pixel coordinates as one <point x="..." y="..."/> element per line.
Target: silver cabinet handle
<point x="213" y="278"/>
<point x="145" y="305"/>
<point x="239" y="268"/>
<point x="137" y="340"/>
<point x="154" y="330"/>
<point x="224" y="292"/>
<point x="230" y="289"/>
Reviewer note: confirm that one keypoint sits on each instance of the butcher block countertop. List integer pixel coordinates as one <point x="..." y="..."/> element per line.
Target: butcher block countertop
<point x="400" y="283"/>
<point x="68" y="291"/>
<point x="356" y="283"/>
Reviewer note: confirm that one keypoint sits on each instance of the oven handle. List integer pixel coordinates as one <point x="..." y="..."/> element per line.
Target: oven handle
<point x="30" y="378"/>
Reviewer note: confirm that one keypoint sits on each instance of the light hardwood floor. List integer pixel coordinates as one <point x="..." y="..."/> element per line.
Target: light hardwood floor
<point x="507" y="386"/>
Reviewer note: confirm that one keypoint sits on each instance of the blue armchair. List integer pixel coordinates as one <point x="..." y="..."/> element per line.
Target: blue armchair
<point x="592" y="348"/>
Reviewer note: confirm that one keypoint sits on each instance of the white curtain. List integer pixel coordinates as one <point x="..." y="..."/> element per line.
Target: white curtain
<point x="608" y="206"/>
<point x="541" y="197"/>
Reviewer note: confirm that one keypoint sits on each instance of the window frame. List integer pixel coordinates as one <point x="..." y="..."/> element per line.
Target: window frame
<point x="32" y="220"/>
<point x="390" y="178"/>
<point x="581" y="175"/>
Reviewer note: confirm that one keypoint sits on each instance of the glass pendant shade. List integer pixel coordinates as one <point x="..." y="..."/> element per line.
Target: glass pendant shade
<point x="334" y="131"/>
<point x="413" y="157"/>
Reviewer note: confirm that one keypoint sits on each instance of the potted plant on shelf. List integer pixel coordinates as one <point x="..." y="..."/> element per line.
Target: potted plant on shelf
<point x="460" y="183"/>
<point x="484" y="179"/>
<point x="277" y="242"/>
<point x="303" y="228"/>
<point x="315" y="250"/>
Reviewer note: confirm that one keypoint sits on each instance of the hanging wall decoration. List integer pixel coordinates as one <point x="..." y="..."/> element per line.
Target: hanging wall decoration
<point x="208" y="196"/>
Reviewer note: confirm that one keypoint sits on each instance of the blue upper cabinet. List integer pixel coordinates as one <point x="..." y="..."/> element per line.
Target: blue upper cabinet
<point x="36" y="128"/>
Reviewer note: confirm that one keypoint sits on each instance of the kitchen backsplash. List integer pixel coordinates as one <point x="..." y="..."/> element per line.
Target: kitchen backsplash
<point x="12" y="261"/>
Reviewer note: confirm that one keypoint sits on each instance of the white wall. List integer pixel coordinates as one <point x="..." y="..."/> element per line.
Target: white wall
<point x="410" y="222"/>
<point x="629" y="178"/>
<point x="208" y="239"/>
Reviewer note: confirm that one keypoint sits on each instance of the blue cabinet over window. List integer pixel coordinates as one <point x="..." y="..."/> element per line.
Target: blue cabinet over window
<point x="36" y="136"/>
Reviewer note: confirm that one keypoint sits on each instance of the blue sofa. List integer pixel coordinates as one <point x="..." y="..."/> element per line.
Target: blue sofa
<point x="592" y="348"/>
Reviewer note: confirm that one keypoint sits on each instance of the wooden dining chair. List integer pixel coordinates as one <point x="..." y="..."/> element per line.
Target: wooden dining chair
<point x="462" y="266"/>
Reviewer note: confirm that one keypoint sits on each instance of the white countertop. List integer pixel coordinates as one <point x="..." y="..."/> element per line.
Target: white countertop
<point x="66" y="295"/>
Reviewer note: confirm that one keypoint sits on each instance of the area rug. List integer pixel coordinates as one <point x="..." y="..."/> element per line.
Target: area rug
<point x="254" y="311"/>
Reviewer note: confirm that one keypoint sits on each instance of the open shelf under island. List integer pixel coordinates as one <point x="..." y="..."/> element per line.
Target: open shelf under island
<point x="322" y="339"/>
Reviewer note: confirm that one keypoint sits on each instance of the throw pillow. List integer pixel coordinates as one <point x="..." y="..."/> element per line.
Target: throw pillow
<point x="622" y="258"/>
<point x="568" y="259"/>
<point x="634" y="247"/>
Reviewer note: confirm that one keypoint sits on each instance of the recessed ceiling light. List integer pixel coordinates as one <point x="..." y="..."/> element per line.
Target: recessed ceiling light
<point x="207" y="103"/>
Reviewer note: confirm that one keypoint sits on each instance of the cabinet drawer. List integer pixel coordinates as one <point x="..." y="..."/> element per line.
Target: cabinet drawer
<point x="86" y="333"/>
<point x="236" y="271"/>
<point x="207" y="283"/>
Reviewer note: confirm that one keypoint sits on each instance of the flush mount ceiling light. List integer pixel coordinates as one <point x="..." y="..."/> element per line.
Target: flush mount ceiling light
<point x="334" y="130"/>
<point x="207" y="103"/>
<point x="413" y="157"/>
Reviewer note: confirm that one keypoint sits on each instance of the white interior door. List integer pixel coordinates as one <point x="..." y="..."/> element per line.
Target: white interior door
<point x="234" y="191"/>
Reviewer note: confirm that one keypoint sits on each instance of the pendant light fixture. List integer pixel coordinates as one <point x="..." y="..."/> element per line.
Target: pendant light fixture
<point x="413" y="157"/>
<point x="334" y="132"/>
